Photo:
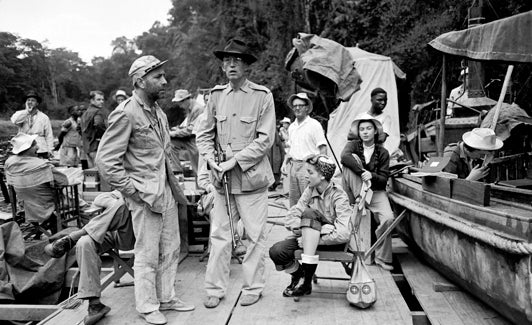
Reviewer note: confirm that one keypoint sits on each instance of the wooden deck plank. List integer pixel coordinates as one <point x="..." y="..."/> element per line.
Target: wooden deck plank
<point x="448" y="307"/>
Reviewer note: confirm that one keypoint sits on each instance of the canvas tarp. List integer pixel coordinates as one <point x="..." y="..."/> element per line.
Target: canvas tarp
<point x="507" y="39"/>
<point x="375" y="71"/>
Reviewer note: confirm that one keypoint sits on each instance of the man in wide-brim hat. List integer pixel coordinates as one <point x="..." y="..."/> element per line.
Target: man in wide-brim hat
<point x="32" y="121"/>
<point x="466" y="156"/>
<point x="184" y="135"/>
<point x="240" y="120"/>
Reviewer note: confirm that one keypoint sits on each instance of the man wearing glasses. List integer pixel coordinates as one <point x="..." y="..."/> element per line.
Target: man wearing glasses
<point x="305" y="138"/>
<point x="240" y="123"/>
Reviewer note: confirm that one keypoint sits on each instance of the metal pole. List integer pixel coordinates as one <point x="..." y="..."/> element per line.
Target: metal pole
<point x="443" y="108"/>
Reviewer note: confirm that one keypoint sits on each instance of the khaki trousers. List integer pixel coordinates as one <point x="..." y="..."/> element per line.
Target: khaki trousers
<point x="298" y="180"/>
<point x="252" y="209"/>
<point x="156" y="253"/>
<point x="379" y="206"/>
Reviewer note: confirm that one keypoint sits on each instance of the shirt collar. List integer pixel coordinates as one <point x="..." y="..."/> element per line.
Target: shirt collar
<point x="141" y="103"/>
<point x="297" y="123"/>
<point x="244" y="87"/>
<point x="315" y="192"/>
<point x="462" y="151"/>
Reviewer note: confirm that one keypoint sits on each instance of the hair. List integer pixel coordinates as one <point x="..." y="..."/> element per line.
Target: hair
<point x="325" y="168"/>
<point x="93" y="93"/>
<point x="70" y="109"/>
<point x="377" y="91"/>
<point x="469" y="148"/>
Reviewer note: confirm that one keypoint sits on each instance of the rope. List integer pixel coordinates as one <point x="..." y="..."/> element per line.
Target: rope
<point x="474" y="231"/>
<point x="72" y="302"/>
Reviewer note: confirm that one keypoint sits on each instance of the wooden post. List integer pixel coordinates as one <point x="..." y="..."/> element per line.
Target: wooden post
<point x="443" y="109"/>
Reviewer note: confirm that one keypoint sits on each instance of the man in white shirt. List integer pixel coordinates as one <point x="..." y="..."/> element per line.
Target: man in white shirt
<point x="305" y="137"/>
<point x="32" y="121"/>
<point x="458" y="94"/>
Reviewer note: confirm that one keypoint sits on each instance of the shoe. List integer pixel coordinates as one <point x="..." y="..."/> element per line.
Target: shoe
<point x="296" y="277"/>
<point x="155" y="317"/>
<point x="384" y="265"/>
<point x="248" y="300"/>
<point x="306" y="287"/>
<point x="96" y="312"/>
<point x="177" y="305"/>
<point x="212" y="302"/>
<point x="60" y="247"/>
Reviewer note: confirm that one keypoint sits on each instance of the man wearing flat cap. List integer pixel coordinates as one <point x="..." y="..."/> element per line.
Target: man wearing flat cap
<point x="184" y="136"/>
<point x="32" y="121"/>
<point x="239" y="121"/>
<point x="134" y="158"/>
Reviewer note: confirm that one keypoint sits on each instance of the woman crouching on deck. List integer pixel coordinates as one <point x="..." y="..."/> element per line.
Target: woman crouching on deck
<point x="320" y="217"/>
<point x="364" y="158"/>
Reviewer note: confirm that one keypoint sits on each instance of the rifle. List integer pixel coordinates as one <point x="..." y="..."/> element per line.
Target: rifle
<point x="238" y="247"/>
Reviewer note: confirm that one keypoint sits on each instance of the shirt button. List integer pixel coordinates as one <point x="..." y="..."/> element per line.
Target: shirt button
<point x="234" y="114"/>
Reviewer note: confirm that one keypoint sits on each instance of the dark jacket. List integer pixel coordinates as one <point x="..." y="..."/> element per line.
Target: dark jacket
<point x="92" y="128"/>
<point x="379" y="165"/>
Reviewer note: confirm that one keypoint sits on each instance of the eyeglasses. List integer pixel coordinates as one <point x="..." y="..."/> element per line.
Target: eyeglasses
<point x="299" y="106"/>
<point x="233" y="59"/>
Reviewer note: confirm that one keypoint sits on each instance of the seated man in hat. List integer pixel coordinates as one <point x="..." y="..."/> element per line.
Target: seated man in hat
<point x="467" y="155"/>
<point x="32" y="121"/>
<point x="32" y="178"/>
<point x="183" y="136"/>
<point x="112" y="228"/>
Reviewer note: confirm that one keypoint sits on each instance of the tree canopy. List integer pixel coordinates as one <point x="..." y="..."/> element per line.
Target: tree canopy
<point x="396" y="28"/>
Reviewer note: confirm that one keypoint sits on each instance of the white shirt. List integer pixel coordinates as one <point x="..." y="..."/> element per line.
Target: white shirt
<point x="459" y="95"/>
<point x="305" y="138"/>
<point x="368" y="152"/>
<point x="38" y="124"/>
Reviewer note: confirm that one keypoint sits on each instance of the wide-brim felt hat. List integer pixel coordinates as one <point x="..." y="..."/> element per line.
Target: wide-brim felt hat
<point x="181" y="95"/>
<point x="33" y="94"/>
<point x="238" y="48"/>
<point x="22" y="141"/>
<point x="286" y="120"/>
<point x="119" y="93"/>
<point x="353" y="131"/>
<point x="304" y="97"/>
<point x="482" y="139"/>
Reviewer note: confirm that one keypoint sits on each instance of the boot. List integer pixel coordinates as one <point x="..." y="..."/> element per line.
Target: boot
<point x="296" y="276"/>
<point x="310" y="263"/>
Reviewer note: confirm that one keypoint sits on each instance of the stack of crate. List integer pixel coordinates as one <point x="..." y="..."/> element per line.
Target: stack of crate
<point x="93" y="182"/>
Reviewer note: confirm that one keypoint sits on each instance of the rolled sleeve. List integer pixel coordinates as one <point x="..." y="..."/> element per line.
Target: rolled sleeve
<point x="293" y="217"/>
<point x="207" y="131"/>
<point x="342" y="230"/>
<point x="111" y="151"/>
<point x="265" y="130"/>
<point x="19" y="117"/>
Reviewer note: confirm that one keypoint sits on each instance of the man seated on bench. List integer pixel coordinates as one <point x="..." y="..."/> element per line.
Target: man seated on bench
<point x="320" y="217"/>
<point x="110" y="229"/>
<point x="32" y="178"/>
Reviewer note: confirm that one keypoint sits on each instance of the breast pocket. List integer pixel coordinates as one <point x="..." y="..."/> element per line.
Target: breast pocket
<point x="248" y="126"/>
<point x="145" y="137"/>
<point x="221" y="124"/>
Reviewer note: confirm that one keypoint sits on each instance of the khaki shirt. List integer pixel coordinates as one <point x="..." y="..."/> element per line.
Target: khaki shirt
<point x="244" y="120"/>
<point x="333" y="204"/>
<point x="38" y="124"/>
<point x="134" y="153"/>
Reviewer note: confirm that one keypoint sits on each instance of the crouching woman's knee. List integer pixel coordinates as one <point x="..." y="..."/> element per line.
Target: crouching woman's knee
<point x="312" y="218"/>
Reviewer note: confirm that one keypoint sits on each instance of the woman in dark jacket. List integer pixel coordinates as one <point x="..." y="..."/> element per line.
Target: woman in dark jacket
<point x="365" y="159"/>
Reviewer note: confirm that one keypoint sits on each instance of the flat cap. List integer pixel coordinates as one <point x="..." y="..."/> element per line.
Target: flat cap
<point x="144" y="65"/>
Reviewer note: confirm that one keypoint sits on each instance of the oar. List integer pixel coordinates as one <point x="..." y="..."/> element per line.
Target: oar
<point x="386" y="233"/>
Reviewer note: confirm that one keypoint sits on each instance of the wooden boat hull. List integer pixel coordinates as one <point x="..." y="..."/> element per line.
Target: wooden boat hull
<point x="449" y="235"/>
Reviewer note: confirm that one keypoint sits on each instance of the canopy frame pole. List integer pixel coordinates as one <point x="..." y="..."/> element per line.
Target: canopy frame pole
<point x="501" y="96"/>
<point x="443" y="108"/>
